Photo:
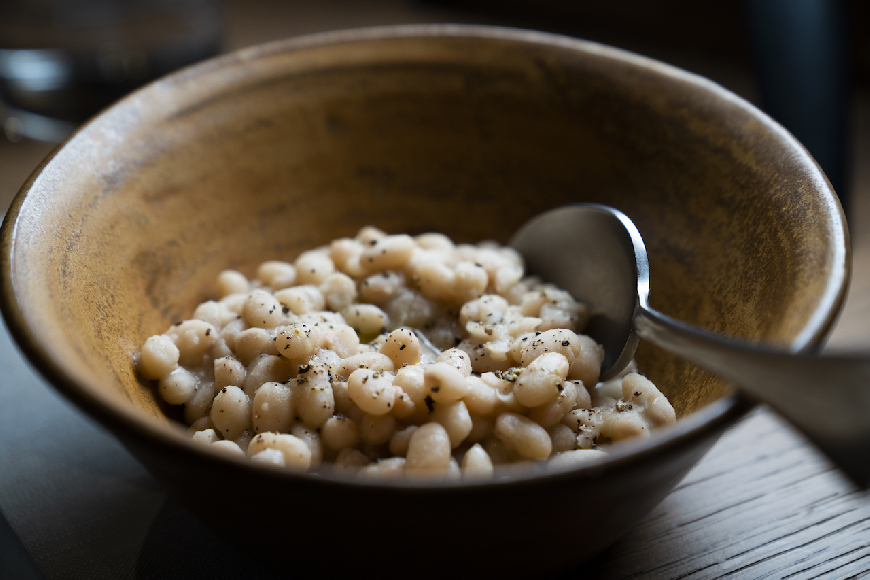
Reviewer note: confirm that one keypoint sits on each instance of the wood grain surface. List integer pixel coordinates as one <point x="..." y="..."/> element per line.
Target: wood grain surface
<point x="762" y="504"/>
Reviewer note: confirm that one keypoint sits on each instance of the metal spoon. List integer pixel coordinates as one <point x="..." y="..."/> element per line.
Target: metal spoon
<point x="596" y="253"/>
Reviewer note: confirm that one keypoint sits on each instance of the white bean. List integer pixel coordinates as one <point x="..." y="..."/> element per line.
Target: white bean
<point x="428" y="448"/>
<point x="387" y="253"/>
<point x="297" y="454"/>
<point x="313" y="267"/>
<point x="476" y="463"/>
<point x="193" y="339"/>
<point x="373" y="361"/>
<point x="231" y="412"/>
<point x="366" y="319"/>
<point x="159" y="357"/>
<point x="231" y="282"/>
<point x="376" y="429"/>
<point x="301" y="299"/>
<point x="228" y="371"/>
<point x="403" y="348"/>
<point x="253" y="342"/>
<point x="178" y="387"/>
<point x="262" y="309"/>
<point x="339" y="432"/>
<point x="541" y="381"/>
<point x="276" y="274"/>
<point x="524" y="435"/>
<point x="339" y="291"/>
<point x="272" y="408"/>
<point x="455" y="419"/>
<point x="444" y="383"/>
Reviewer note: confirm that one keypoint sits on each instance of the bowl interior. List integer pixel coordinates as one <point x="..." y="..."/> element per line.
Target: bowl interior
<point x="273" y="150"/>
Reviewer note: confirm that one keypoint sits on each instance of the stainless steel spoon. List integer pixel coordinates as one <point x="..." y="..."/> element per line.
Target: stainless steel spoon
<point x="596" y="253"/>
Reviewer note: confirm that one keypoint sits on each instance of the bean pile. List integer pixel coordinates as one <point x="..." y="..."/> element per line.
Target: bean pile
<point x="397" y="356"/>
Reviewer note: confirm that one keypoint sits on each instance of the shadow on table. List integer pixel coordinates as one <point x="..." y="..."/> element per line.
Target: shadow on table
<point x="14" y="560"/>
<point x="179" y="546"/>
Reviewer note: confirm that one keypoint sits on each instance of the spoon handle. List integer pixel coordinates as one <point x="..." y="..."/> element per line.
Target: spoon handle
<point x="826" y="397"/>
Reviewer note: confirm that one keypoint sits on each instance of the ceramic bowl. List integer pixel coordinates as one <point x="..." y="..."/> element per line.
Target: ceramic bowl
<point x="463" y="130"/>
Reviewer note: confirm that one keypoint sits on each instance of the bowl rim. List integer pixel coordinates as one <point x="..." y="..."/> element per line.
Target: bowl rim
<point x="129" y="424"/>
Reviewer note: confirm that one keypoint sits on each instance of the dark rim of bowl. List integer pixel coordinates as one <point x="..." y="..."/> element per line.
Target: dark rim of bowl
<point x="705" y="423"/>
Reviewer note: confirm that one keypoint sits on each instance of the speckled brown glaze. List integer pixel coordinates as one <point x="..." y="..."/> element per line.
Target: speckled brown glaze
<point x="467" y="131"/>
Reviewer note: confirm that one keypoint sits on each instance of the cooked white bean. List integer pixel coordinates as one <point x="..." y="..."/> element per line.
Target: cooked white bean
<point x="574" y="458"/>
<point x="313" y="396"/>
<point x="366" y="319"/>
<point x="481" y="428"/>
<point x="297" y="454"/>
<point x="350" y="461"/>
<point x="269" y="456"/>
<point x="541" y="381"/>
<point x="476" y="463"/>
<point x="376" y="429"/>
<point x="272" y="408"/>
<point x="562" y="438"/>
<point x="299" y="341"/>
<point x="345" y="254"/>
<point x="381" y="287"/>
<point x="301" y="299"/>
<point x="402" y="346"/>
<point x="178" y="387"/>
<point x="339" y="291"/>
<point x="253" y="342"/>
<point x="262" y="310"/>
<point x="231" y="412"/>
<point x="199" y="404"/>
<point x="469" y="282"/>
<point x="387" y="253"/>
<point x="193" y="338"/>
<point x="313" y="267"/>
<point x="455" y="419"/>
<point x="230" y="447"/>
<point x="444" y="383"/>
<point x="587" y="363"/>
<point x="159" y="357"/>
<point x="391" y="468"/>
<point x="339" y="432"/>
<point x="228" y="371"/>
<point x="428" y="449"/>
<point x="276" y="274"/>
<point x="434" y="279"/>
<point x="201" y="424"/>
<point x="311" y="438"/>
<point x="524" y="435"/>
<point x="231" y="282"/>
<point x="205" y="436"/>
<point x="480" y="397"/>
<point x="372" y="391"/>
<point x="266" y="368"/>
<point x="373" y="361"/>
<point x="411" y="380"/>
<point x="456" y="358"/>
<point x="401" y="439"/>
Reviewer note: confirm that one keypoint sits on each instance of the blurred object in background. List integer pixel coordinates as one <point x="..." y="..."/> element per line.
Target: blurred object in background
<point x="801" y="53"/>
<point x="804" y="57"/>
<point x="62" y="61"/>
